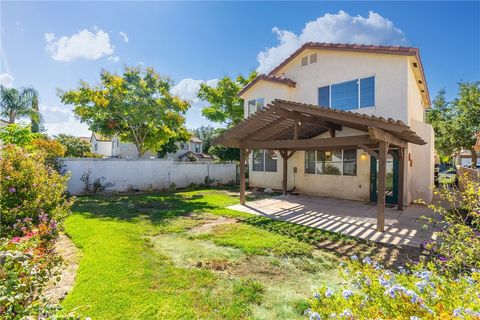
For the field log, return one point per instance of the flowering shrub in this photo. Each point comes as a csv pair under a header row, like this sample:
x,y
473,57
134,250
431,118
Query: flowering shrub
x,y
30,192
459,249
51,149
372,292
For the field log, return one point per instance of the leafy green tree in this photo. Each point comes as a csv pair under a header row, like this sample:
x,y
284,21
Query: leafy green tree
x,y
456,123
17,134
20,103
137,106
75,147
172,145
440,116
225,107
467,121
206,134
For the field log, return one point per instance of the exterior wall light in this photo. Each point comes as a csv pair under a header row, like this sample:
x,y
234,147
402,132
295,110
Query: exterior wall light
x,y
363,156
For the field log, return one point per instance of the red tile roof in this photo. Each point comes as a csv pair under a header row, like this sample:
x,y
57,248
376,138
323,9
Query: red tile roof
x,y
271,78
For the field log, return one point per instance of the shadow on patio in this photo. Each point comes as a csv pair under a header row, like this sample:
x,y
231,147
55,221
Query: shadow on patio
x,y
353,218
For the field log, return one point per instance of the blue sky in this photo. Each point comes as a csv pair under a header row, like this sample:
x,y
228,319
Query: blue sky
x,y
52,45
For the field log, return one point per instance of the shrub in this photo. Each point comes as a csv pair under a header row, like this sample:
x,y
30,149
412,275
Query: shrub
x,y
51,150
458,250
75,147
371,292
17,134
29,191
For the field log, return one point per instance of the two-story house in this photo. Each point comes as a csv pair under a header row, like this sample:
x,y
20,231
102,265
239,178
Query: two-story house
x,y
368,101
113,147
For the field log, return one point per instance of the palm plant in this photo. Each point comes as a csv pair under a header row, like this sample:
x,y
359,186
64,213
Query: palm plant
x,y
20,103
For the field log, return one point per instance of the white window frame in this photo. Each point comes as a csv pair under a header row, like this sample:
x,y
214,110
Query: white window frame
x,y
359,89
324,174
264,162
255,102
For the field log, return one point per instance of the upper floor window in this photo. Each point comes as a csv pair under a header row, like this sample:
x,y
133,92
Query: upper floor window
x,y
359,93
264,160
255,105
198,148
335,162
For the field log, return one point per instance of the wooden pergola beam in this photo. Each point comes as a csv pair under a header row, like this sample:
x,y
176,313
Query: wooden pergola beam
x,y
318,121
381,135
309,143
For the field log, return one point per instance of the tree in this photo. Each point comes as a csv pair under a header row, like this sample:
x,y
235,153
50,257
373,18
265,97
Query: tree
x,y
136,106
75,147
467,121
17,134
206,134
440,116
172,145
19,103
225,107
456,123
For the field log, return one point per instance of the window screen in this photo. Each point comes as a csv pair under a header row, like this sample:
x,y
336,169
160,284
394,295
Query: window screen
x,y
345,95
349,162
258,160
324,96
367,92
309,161
270,161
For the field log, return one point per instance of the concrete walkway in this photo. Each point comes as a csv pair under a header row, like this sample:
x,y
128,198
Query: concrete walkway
x,y
353,218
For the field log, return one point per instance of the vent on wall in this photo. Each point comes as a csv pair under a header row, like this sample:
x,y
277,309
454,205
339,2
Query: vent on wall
x,y
415,65
313,58
304,61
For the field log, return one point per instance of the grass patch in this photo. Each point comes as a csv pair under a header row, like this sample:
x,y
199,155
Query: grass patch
x,y
256,241
140,260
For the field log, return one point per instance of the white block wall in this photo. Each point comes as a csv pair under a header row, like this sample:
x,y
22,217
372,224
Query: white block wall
x,y
143,174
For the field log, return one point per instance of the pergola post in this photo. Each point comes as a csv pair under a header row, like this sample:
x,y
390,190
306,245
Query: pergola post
x,y
283,153
243,154
401,177
382,179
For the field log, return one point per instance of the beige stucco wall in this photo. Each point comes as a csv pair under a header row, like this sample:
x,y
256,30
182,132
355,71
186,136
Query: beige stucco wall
x,y
397,96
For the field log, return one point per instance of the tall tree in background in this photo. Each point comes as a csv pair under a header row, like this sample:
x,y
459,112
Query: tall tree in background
x,y
75,147
225,107
206,134
467,120
456,123
16,104
136,106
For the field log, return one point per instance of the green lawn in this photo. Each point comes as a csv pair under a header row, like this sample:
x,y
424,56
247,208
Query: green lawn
x,y
183,256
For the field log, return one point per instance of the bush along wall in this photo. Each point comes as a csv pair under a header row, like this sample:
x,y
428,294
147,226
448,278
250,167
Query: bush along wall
x,y
33,205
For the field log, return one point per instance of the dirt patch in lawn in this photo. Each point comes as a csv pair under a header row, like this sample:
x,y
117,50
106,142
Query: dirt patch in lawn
x,y
66,249
207,227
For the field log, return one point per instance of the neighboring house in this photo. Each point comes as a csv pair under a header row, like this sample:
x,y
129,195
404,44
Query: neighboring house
x,y
377,81
464,157
190,151
113,147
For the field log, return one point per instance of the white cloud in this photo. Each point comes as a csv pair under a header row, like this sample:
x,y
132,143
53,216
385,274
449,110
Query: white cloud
x,y
84,44
124,36
62,120
6,80
188,88
337,28
113,58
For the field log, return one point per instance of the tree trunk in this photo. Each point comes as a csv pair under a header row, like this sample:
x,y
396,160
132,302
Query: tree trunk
x,y
474,157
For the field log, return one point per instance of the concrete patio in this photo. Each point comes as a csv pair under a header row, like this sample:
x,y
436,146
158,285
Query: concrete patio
x,y
353,218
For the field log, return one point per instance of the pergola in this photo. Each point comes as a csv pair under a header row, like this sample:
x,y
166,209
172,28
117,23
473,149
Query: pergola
x,y
289,126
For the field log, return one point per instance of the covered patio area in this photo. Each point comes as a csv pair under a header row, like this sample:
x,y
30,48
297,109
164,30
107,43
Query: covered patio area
x,y
288,127
352,218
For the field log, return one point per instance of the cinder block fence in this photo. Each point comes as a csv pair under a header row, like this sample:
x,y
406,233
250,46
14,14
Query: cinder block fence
x,y
144,174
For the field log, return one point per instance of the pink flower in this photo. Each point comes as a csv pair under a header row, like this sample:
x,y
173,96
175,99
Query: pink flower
x,y
15,240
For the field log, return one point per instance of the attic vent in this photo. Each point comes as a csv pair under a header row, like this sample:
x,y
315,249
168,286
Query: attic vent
x,y
420,81
304,61
423,90
415,65
313,58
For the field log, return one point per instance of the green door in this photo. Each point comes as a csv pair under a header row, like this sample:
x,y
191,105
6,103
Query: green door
x,y
391,190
